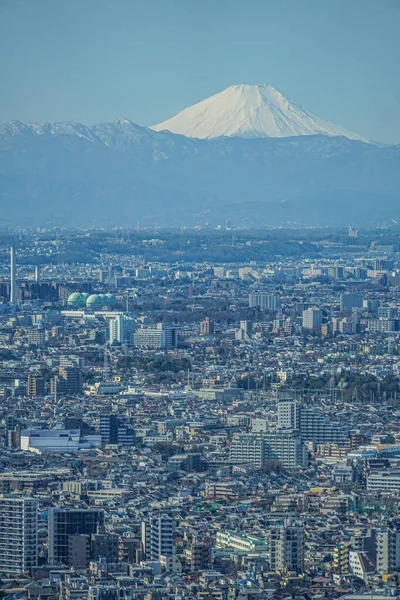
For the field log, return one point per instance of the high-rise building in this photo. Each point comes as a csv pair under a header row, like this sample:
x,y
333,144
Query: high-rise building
x,y
65,523
105,545
200,554
388,549
78,551
158,537
37,337
68,381
288,414
114,431
18,534
286,447
248,449
312,318
206,326
264,301
121,329
341,557
316,427
348,301
109,429
35,386
312,425
286,547
161,336
283,446
336,272
13,276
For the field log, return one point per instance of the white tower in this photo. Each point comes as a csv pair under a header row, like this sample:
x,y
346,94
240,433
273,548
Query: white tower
x,y
13,277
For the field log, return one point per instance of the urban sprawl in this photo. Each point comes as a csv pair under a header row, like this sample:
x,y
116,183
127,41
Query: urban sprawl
x,y
201,414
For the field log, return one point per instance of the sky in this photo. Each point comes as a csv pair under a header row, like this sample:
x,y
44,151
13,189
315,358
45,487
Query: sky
x,y
98,60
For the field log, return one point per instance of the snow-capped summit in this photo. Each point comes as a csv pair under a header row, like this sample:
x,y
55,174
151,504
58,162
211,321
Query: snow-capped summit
x,y
249,111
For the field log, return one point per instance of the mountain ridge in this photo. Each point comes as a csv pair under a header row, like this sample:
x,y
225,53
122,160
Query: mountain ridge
x,y
249,111
120,171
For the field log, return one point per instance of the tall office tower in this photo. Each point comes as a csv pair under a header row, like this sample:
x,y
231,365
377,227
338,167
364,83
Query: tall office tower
x,y
158,537
288,414
349,301
206,326
286,547
37,274
66,523
13,276
113,430
388,549
18,534
312,318
35,386
68,381
109,429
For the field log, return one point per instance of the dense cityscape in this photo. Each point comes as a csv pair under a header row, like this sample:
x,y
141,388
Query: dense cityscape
x,y
199,413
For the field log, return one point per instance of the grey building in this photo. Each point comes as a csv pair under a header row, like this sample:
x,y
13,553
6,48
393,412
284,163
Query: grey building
x,y
18,534
65,523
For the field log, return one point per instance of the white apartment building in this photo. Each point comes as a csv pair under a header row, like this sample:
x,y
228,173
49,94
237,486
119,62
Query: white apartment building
x,y
388,481
158,537
312,318
18,534
160,336
283,446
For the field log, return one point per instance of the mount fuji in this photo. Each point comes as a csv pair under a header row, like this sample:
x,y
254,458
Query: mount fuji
x,y
249,111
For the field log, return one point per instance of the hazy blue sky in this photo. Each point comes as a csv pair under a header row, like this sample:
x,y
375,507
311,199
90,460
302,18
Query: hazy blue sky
x,y
97,60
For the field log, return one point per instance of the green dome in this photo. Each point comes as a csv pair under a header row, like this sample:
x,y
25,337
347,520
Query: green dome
x,y
94,301
85,295
111,298
76,299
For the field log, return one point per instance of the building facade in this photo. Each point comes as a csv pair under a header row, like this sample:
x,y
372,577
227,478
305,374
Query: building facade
x,y
18,534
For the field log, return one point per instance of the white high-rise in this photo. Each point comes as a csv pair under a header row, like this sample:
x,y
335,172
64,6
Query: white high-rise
x,y
121,329
158,537
312,318
13,276
18,534
288,414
